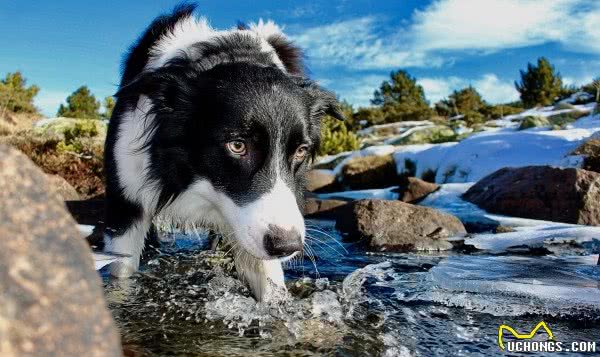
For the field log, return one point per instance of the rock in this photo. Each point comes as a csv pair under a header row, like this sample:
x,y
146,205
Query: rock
x,y
503,229
426,135
533,122
315,207
51,300
62,188
414,190
399,226
370,172
591,151
540,192
320,180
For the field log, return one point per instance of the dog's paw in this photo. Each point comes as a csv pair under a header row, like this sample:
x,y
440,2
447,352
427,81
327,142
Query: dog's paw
x,y
122,269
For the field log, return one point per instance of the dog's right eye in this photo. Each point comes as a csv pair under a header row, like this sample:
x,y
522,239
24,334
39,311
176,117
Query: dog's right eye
x,y
236,147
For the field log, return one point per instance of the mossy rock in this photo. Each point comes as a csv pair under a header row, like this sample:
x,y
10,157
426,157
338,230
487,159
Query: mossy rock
x,y
563,119
563,106
534,122
431,135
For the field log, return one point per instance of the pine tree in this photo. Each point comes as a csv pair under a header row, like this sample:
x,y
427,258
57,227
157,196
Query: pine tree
x,y
465,100
80,104
401,98
539,85
15,96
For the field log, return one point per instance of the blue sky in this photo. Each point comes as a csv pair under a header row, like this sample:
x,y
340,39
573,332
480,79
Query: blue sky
x,y
351,46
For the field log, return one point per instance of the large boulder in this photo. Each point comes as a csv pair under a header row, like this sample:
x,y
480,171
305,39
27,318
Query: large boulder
x,y
369,172
63,188
320,180
540,192
414,190
398,226
51,299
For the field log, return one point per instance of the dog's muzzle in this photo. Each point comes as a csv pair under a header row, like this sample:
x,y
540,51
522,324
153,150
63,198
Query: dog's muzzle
x,y
279,242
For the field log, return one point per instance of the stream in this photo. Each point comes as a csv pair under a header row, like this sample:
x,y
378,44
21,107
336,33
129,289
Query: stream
x,y
187,301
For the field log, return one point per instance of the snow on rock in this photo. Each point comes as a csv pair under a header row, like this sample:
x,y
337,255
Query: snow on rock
x,y
488,151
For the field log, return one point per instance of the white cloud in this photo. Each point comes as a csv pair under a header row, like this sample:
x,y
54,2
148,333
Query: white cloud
x,y
490,24
49,100
357,44
494,90
454,25
491,88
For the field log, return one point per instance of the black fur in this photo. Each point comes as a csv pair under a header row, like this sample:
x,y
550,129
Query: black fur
x,y
222,90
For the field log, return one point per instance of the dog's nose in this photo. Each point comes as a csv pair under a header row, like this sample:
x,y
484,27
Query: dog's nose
x,y
281,242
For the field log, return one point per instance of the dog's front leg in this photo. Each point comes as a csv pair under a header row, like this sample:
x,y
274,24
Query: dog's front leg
x,y
130,242
264,277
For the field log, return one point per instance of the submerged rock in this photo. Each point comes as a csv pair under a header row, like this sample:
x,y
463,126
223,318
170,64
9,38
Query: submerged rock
x,y
540,192
370,172
51,301
399,226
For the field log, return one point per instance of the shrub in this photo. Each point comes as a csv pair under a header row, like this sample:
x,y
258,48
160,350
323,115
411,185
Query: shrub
x,y
5,129
15,96
500,110
83,170
109,106
370,116
473,118
336,137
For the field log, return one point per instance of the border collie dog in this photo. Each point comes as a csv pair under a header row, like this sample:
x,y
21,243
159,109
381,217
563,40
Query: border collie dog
x,y
217,129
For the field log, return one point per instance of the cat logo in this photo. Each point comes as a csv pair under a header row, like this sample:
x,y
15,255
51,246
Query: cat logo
x,y
522,336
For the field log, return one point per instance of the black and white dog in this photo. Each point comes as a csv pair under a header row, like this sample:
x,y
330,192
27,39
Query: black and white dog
x,y
214,128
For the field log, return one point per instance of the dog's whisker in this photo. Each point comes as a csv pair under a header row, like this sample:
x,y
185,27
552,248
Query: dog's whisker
x,y
329,236
325,245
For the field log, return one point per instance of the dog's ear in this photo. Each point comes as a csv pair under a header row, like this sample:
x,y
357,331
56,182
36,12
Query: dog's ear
x,y
323,101
160,85
142,84
290,55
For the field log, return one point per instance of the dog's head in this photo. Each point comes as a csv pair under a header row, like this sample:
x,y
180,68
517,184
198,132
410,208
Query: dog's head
x,y
235,141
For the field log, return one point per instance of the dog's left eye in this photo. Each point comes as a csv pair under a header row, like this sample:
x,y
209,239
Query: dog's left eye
x,y
237,147
301,152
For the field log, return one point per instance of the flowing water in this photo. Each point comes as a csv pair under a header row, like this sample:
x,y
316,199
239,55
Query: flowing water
x,y
188,302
